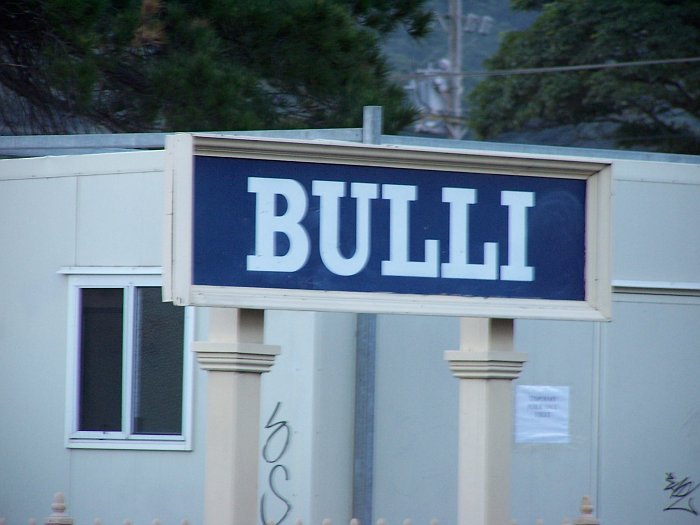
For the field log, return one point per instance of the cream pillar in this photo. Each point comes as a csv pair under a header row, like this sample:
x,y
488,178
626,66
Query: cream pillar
x,y
234,357
485,365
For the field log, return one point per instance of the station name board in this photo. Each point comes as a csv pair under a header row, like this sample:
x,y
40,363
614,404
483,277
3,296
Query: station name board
x,y
319,226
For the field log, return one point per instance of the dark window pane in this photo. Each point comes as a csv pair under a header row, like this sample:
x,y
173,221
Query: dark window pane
x,y
158,364
101,333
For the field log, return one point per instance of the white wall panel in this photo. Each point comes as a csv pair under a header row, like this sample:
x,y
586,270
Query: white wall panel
x,y
120,220
36,237
650,422
55,213
656,217
549,479
415,470
136,485
311,386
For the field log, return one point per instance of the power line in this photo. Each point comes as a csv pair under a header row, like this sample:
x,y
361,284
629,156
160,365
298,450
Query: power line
x,y
552,69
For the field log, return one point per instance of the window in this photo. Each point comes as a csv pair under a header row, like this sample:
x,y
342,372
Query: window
x,y
129,366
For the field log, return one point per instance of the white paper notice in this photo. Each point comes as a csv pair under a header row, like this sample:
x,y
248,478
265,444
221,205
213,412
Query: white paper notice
x,y
541,414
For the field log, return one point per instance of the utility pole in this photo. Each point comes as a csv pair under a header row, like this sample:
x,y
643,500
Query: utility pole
x,y
439,91
455,129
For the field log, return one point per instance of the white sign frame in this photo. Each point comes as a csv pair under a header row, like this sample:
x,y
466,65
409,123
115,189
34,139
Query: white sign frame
x,y
177,256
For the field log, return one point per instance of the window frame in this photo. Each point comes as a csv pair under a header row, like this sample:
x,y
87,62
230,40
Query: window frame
x,y
127,279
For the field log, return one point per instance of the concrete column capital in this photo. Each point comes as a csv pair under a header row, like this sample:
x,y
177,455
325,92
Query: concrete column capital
x,y
485,365
235,356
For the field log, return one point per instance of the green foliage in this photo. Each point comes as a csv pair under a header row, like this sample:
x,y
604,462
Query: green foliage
x,y
653,107
529,4
142,65
385,15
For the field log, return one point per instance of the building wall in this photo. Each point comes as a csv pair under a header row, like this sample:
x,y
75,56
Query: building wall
x,y
306,463
634,397
415,469
34,235
634,414
649,364
92,210
107,211
655,222
650,409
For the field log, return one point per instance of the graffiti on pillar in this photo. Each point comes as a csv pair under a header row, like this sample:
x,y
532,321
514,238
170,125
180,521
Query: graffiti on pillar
x,y
680,493
274,507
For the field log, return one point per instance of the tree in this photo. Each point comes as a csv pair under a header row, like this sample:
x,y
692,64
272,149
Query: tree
x,y
151,65
653,105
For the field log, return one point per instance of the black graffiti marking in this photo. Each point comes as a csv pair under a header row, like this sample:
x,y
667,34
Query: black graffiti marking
x,y
680,492
275,437
273,488
278,426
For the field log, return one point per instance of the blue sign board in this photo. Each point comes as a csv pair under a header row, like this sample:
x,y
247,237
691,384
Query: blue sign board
x,y
314,226
306,226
